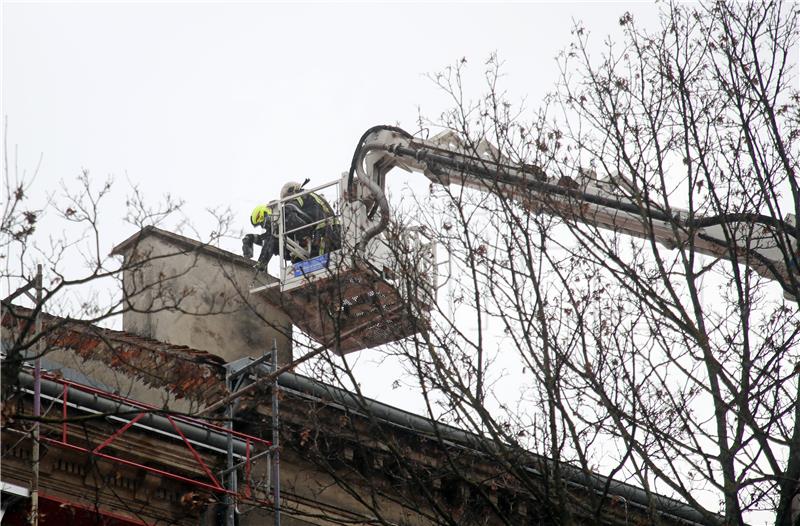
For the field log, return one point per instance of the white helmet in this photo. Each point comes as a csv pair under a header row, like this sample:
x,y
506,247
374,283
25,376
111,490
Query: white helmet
x,y
290,188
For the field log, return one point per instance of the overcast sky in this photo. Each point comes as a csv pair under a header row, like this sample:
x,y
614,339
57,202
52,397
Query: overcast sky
x,y
220,104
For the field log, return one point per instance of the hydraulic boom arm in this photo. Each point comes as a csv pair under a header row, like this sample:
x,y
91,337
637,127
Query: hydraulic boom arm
x,y
767,244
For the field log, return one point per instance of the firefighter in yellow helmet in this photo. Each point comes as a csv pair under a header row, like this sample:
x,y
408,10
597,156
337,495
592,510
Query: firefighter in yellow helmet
x,y
261,217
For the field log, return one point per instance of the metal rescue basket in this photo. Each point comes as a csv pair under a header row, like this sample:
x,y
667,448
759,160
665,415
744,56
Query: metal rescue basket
x,y
377,287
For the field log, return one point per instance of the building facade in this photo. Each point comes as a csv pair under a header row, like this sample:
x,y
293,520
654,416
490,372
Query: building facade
x,y
127,437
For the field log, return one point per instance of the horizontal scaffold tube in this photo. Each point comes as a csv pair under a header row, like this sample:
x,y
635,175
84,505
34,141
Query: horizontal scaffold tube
x,y
197,434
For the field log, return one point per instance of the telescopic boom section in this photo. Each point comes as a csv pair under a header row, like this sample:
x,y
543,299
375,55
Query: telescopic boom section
x,y
767,244
379,285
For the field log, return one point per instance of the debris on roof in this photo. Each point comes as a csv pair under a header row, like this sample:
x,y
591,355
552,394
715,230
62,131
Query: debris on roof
x,y
181,370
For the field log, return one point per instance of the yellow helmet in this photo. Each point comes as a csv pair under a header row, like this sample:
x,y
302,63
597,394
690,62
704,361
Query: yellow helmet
x,y
259,213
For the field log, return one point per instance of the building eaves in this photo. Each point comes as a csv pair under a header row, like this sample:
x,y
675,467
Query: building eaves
x,y
196,374
411,422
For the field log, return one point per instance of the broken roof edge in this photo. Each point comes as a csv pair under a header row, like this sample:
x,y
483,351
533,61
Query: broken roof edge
x,y
185,242
91,342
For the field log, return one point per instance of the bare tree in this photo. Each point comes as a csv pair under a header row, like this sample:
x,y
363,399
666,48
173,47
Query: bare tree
x,y
83,288
635,356
699,115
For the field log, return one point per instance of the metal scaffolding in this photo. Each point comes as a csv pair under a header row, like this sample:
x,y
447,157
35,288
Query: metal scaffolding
x,y
241,449
238,373
130,414
69,398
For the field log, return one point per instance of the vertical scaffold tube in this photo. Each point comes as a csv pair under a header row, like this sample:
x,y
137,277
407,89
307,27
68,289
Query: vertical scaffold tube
x,y
37,400
276,449
230,501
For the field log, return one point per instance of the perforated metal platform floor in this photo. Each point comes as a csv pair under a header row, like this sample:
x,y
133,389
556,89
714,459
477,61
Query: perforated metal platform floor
x,y
355,309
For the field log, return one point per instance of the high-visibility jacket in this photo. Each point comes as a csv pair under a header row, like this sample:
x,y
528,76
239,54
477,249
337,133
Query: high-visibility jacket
x,y
312,209
307,209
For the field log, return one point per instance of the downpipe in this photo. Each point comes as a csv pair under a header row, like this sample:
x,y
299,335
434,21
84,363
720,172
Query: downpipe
x,y
117,410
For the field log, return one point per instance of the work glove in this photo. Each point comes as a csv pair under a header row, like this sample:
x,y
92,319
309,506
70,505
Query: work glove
x,y
263,259
247,245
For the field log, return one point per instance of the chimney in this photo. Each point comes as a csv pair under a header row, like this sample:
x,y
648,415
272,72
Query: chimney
x,y
181,291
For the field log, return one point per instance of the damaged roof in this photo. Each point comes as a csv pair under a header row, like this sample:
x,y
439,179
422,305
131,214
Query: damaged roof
x,y
199,375
184,372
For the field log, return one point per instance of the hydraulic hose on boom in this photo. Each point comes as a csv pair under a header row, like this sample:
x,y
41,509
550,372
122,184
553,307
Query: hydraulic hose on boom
x,y
767,244
379,287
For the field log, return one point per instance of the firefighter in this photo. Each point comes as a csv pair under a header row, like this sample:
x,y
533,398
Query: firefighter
x,y
261,217
319,237
322,234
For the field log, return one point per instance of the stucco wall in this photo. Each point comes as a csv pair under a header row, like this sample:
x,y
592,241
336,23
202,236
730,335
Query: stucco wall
x,y
199,298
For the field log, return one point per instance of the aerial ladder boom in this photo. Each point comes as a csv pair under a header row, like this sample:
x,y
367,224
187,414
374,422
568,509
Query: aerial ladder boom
x,y
767,244
380,286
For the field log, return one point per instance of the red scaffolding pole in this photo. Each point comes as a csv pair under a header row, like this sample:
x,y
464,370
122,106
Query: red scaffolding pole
x,y
210,484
